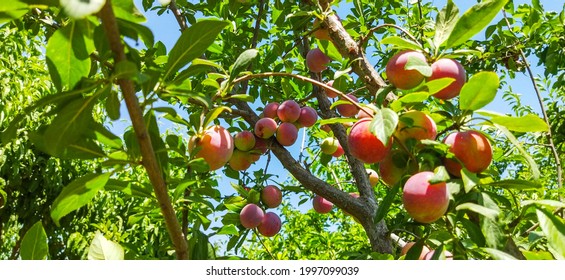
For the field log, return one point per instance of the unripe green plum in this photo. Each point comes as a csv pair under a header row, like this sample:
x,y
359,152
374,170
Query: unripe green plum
x,y
398,75
215,145
244,140
425,202
329,145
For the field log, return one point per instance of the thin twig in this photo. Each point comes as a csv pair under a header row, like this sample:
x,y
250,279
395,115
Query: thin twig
x,y
150,163
542,106
305,79
178,15
263,244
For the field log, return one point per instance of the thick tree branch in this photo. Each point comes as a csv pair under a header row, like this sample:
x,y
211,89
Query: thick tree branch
x,y
148,154
349,49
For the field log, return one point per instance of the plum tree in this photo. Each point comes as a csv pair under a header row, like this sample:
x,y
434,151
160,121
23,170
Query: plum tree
x,y
288,111
364,145
251,216
471,148
286,134
425,202
265,128
415,125
271,196
244,140
397,73
215,145
317,61
448,68
321,205
270,225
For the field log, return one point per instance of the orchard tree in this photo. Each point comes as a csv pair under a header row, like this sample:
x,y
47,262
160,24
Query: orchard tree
x,y
394,91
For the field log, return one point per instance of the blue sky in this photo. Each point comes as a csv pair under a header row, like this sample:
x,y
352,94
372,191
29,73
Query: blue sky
x,y
165,29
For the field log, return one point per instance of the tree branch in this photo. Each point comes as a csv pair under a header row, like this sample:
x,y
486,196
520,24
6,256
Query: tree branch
x,y
542,107
148,154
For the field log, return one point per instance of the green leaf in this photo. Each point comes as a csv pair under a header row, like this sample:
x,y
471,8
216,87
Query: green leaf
x,y
479,91
10,10
113,105
473,21
34,244
533,166
415,97
440,175
435,86
242,61
199,247
125,70
10,133
68,53
474,232
70,124
384,206
192,43
537,255
527,123
445,22
498,255
550,203
337,120
517,184
156,141
230,229
401,43
132,188
554,229
235,203
415,251
470,179
384,125
104,249
136,31
487,212
77,194
414,63
126,10
213,114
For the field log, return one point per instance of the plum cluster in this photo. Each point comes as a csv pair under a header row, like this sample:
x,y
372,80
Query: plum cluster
x,y
291,118
253,216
